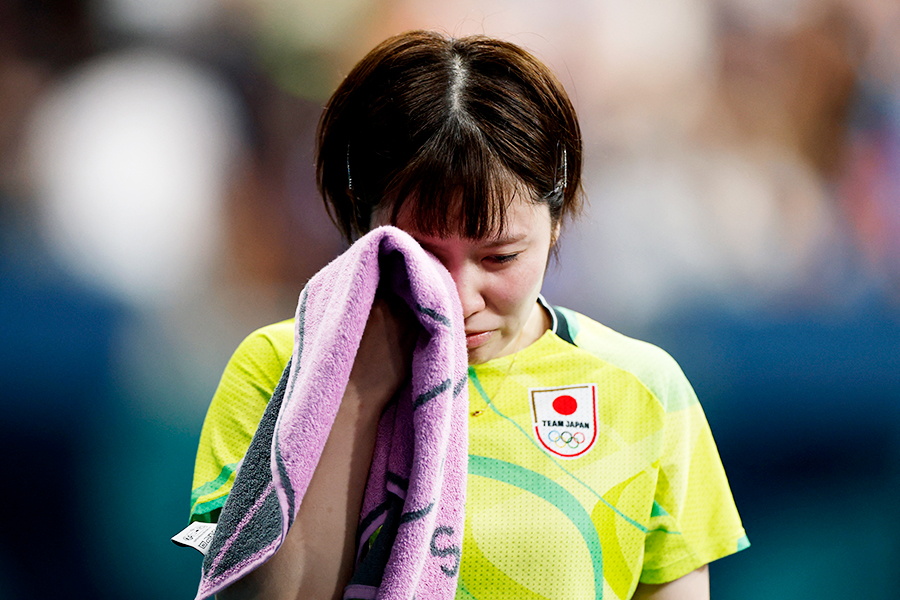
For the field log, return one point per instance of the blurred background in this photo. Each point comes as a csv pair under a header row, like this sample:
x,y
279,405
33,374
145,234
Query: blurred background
x,y
157,203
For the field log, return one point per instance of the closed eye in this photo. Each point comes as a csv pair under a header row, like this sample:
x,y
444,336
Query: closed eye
x,y
501,259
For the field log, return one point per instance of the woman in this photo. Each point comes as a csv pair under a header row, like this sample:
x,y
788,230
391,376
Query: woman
x,y
592,471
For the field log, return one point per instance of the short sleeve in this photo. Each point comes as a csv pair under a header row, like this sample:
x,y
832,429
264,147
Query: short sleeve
x,y
694,519
247,383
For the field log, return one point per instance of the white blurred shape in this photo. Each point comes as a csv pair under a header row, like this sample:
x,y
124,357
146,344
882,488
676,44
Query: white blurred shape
x,y
130,159
704,227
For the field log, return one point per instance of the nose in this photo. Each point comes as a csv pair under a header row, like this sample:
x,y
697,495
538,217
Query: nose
x,y
469,285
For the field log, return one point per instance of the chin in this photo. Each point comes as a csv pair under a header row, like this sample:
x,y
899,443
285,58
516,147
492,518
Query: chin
x,y
483,354
479,355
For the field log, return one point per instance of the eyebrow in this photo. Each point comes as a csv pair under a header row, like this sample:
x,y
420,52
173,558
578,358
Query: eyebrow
x,y
495,243
506,240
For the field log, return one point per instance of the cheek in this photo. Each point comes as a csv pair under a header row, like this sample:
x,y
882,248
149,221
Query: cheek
x,y
516,289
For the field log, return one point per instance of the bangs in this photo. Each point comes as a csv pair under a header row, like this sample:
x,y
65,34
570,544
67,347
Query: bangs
x,y
447,133
455,185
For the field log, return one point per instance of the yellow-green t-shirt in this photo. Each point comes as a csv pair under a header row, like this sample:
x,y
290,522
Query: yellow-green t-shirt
x,y
591,464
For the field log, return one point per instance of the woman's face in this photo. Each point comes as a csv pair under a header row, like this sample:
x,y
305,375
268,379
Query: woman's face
x,y
498,279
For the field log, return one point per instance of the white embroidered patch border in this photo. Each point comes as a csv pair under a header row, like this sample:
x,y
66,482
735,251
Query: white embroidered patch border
x,y
564,418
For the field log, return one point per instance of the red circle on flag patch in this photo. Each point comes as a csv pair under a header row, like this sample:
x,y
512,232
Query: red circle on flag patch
x,y
565,405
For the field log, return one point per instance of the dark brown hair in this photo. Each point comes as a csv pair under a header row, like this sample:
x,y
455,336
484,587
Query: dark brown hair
x,y
449,130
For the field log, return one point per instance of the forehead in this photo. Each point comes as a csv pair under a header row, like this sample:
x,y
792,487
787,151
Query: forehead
x,y
470,199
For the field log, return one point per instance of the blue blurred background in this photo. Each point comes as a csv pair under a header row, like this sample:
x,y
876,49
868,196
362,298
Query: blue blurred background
x,y
157,204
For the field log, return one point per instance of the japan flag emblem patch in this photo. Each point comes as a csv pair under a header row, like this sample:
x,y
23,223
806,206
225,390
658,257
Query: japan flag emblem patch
x,y
565,418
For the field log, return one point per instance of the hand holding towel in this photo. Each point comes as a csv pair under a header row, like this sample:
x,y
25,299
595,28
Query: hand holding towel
x,y
415,494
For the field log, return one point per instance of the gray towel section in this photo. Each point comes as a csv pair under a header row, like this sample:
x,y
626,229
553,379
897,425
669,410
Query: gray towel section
x,y
265,526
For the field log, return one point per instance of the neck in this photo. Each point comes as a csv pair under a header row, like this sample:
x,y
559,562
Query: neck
x,y
539,321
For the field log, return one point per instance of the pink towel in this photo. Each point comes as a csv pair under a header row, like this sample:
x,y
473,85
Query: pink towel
x,y
415,495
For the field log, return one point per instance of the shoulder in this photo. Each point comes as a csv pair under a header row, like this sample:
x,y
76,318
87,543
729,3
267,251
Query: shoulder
x,y
277,338
261,356
237,406
273,342
651,365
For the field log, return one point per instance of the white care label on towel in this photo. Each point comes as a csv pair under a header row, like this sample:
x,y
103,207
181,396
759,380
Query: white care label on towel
x,y
196,535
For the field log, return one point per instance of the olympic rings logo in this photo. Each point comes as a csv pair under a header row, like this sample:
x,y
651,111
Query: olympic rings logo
x,y
566,438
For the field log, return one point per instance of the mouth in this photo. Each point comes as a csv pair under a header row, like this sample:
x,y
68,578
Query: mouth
x,y
477,338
